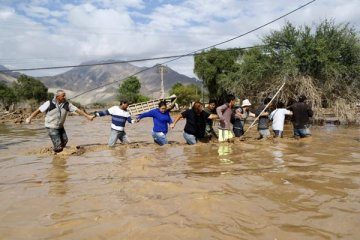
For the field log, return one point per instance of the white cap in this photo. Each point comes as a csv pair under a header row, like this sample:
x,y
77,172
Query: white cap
x,y
246,103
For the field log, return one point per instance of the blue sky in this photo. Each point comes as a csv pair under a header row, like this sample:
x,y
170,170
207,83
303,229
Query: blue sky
x,y
43,33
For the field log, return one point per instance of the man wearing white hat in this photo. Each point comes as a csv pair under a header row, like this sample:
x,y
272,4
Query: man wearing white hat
x,y
240,116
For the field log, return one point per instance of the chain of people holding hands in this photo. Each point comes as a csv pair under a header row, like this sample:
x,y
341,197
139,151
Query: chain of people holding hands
x,y
199,120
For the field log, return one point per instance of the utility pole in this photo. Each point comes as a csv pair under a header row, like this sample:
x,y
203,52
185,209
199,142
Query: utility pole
x,y
162,69
196,87
202,90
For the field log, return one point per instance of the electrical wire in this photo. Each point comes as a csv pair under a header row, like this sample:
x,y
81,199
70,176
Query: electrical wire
x,y
120,62
174,58
203,49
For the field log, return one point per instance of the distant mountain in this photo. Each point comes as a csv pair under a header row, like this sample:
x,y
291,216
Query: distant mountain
x,y
81,79
7,76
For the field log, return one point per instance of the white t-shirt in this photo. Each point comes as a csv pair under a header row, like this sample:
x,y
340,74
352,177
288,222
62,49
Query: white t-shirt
x,y
278,117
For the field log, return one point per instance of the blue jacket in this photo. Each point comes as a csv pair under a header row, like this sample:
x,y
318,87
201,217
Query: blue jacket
x,y
161,120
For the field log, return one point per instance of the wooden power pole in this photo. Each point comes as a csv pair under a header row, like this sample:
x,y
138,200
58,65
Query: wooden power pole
x,y
162,69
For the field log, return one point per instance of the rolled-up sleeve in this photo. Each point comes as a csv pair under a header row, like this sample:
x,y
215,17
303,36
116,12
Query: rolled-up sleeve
x,y
72,108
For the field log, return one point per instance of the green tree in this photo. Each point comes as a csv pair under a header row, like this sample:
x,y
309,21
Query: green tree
x,y
7,96
322,62
130,90
185,93
30,88
215,68
143,98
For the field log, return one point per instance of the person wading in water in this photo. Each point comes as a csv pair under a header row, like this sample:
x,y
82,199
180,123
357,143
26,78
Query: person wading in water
x,y
56,111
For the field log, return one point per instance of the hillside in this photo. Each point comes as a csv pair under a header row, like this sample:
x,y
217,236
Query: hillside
x,y
81,79
8,77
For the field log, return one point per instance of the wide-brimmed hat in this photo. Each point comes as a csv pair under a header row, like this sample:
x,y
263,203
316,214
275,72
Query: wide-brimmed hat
x,y
246,103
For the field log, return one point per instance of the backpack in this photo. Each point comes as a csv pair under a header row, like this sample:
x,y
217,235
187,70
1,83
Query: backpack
x,y
232,119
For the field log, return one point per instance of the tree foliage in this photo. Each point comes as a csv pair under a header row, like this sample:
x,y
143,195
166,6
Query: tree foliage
x,y
322,62
7,95
215,68
185,93
30,88
25,88
130,90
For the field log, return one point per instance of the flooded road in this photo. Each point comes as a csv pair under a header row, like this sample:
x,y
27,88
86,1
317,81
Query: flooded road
x,y
288,189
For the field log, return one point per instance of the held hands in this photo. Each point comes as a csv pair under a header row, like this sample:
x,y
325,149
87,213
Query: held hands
x,y
91,117
172,125
28,120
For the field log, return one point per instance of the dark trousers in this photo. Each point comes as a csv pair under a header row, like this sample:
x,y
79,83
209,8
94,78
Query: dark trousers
x,y
238,128
58,138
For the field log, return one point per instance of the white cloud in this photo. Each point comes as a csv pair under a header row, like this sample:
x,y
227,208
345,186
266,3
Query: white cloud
x,y
6,13
53,33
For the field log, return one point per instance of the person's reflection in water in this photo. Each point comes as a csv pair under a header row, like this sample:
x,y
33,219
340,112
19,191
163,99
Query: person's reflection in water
x,y
58,177
224,151
202,160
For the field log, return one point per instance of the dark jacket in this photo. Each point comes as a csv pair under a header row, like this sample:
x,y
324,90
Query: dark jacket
x,y
301,114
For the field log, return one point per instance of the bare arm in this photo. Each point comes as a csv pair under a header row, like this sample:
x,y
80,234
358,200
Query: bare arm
x,y
81,112
36,112
213,116
264,114
252,114
175,121
239,114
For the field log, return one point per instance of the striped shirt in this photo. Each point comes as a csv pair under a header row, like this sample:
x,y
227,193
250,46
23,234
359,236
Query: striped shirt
x,y
119,117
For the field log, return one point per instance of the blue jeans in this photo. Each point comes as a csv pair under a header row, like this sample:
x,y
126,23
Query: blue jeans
x,y
190,139
264,133
238,128
58,138
115,135
238,132
159,138
278,133
302,132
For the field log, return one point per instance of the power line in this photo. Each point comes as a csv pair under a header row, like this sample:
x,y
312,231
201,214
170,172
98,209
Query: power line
x,y
119,62
132,75
176,57
212,46
166,57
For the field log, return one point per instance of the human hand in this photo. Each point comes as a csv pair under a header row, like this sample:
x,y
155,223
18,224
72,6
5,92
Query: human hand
x,y
28,120
172,125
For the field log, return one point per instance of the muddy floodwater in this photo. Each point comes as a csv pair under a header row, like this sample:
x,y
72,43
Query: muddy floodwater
x,y
287,189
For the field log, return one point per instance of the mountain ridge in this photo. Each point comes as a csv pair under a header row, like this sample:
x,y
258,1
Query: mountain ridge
x,y
102,80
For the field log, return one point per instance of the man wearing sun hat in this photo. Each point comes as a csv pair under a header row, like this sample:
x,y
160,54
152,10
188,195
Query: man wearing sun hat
x,y
240,116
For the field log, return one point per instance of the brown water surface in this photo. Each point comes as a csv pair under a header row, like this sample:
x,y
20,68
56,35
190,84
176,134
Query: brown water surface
x,y
287,189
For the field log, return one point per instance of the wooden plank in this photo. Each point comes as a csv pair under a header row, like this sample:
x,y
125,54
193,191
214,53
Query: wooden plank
x,y
139,108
